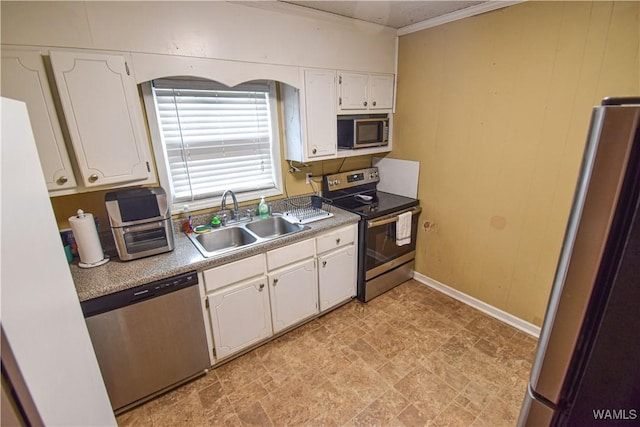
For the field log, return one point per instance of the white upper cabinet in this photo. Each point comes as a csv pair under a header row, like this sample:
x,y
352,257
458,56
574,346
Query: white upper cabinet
x,y
24,78
310,117
103,113
354,91
364,92
381,91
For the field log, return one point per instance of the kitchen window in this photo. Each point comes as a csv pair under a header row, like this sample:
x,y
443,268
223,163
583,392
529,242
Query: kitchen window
x,y
211,138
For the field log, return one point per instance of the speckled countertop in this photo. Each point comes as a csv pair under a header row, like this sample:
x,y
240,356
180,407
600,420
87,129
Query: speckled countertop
x,y
119,275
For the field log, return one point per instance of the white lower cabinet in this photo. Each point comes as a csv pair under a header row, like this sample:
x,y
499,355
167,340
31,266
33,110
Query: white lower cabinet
x,y
294,294
240,316
250,300
337,276
337,260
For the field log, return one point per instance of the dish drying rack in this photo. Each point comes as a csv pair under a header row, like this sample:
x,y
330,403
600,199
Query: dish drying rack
x,y
305,209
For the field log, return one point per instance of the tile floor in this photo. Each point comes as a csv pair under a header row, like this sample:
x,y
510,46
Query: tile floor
x,y
411,357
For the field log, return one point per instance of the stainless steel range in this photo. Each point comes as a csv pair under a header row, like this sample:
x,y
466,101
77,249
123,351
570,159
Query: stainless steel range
x,y
384,259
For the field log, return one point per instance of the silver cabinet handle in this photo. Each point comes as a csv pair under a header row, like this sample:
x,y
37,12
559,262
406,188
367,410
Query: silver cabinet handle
x,y
62,180
261,287
93,178
364,103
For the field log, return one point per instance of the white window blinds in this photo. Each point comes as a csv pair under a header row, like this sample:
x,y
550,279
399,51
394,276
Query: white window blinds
x,y
215,138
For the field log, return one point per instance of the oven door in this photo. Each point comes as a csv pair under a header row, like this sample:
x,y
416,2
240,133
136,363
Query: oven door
x,y
382,252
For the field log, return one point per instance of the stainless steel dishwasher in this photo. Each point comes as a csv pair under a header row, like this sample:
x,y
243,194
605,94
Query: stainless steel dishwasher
x,y
148,338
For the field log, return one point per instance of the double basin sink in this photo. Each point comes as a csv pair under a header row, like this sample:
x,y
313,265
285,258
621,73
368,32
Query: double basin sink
x,y
242,235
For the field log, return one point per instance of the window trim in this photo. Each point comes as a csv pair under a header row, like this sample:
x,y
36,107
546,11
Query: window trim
x,y
212,202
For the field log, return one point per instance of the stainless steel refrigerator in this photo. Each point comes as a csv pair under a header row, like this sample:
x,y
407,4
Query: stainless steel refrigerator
x,y
587,365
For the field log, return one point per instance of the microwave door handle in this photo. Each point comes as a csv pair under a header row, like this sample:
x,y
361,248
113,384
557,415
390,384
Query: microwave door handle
x,y
391,218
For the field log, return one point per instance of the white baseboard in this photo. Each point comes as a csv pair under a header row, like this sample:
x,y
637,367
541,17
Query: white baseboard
x,y
492,311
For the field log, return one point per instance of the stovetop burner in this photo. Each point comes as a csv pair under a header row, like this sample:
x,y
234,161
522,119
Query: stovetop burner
x,y
345,190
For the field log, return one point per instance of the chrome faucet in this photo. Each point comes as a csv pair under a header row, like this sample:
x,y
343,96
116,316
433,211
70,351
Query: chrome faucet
x,y
223,204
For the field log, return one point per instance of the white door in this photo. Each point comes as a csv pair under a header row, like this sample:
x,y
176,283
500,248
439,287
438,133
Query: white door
x,y
103,112
337,277
381,92
294,294
354,91
239,316
24,78
320,115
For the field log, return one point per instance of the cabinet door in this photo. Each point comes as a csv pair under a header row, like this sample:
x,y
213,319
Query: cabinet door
x,y
239,316
294,294
380,92
354,91
103,113
320,113
24,78
337,277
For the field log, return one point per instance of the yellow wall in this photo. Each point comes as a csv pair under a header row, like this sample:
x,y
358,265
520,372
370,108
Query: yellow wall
x,y
496,109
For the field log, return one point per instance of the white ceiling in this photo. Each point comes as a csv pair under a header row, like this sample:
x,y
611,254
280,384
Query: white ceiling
x,y
395,14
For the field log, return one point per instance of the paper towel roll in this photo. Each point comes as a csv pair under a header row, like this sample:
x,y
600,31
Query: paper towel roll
x,y
86,235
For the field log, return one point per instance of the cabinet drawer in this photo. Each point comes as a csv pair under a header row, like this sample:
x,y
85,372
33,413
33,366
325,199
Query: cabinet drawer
x,y
290,253
228,274
335,239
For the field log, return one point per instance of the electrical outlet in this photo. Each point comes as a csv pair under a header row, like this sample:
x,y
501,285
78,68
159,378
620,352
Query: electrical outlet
x,y
308,175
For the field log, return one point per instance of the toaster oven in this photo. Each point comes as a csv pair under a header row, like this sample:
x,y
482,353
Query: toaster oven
x,y
140,222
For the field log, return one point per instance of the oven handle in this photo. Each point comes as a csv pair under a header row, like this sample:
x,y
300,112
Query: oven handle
x,y
392,217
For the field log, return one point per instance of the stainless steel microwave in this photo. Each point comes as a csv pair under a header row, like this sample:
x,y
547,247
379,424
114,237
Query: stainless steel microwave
x,y
361,131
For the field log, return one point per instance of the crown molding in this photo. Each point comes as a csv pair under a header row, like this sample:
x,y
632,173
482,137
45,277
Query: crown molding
x,y
307,12
457,15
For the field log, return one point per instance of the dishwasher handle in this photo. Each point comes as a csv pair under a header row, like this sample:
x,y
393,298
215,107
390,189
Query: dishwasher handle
x,y
137,294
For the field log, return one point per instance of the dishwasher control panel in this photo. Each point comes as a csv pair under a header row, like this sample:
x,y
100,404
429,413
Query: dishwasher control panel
x,y
137,294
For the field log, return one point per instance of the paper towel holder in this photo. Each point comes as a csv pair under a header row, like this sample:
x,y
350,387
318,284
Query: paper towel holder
x,y
105,258
93,264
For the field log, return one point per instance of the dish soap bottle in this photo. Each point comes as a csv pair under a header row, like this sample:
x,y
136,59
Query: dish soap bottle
x,y
263,209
